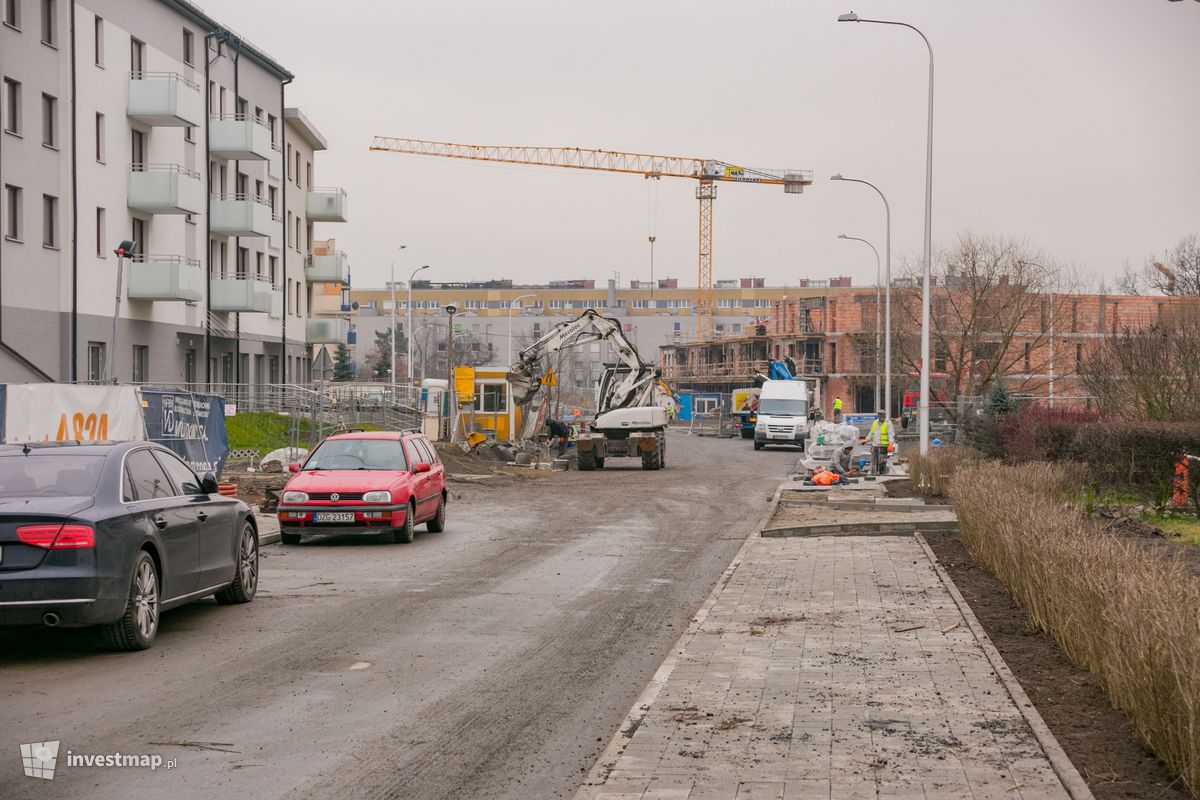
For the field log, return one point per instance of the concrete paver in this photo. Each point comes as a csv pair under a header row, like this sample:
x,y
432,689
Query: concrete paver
x,y
831,667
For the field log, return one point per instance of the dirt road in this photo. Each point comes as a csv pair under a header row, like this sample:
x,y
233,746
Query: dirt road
x,y
493,660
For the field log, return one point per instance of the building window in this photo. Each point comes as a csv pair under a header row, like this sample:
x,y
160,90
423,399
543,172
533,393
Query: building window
x,y
49,121
100,137
832,357
271,190
189,134
492,399
50,22
12,213
137,56
288,164
243,259
1028,358
137,227
290,241
98,41
141,363
12,13
273,262
299,241
49,221
271,125
101,234
258,265
188,44
95,361
12,106
137,148
297,168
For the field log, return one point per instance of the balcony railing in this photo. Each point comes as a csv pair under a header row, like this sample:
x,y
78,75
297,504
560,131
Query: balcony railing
x,y
241,215
275,162
165,189
240,137
733,371
326,268
327,330
244,294
166,278
164,99
326,205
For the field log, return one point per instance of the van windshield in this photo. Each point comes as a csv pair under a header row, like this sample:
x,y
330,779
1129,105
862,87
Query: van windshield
x,y
782,407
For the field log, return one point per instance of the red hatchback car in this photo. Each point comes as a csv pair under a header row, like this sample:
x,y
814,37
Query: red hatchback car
x,y
381,483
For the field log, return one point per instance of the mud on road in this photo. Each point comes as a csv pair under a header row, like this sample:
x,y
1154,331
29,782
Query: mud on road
x,y
493,660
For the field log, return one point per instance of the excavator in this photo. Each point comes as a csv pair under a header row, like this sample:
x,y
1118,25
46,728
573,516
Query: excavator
x,y
627,425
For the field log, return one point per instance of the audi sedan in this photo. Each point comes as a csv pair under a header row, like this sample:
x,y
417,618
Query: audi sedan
x,y
114,534
379,482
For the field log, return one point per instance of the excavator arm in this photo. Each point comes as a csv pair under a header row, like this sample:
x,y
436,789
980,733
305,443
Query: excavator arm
x,y
631,384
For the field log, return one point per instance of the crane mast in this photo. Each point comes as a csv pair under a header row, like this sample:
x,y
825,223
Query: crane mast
x,y
707,171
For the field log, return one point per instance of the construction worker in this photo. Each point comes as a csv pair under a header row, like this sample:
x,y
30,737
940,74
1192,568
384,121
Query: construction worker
x,y
842,460
559,430
881,437
837,410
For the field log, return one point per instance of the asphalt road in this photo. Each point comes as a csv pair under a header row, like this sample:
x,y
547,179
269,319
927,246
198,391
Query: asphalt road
x,y
493,660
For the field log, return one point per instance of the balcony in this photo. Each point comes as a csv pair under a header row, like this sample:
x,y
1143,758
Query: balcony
x,y
244,295
165,189
326,205
166,278
327,330
275,163
164,99
331,267
276,242
239,137
241,215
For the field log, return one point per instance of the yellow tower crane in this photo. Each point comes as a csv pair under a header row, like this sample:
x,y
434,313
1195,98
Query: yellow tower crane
x,y
707,171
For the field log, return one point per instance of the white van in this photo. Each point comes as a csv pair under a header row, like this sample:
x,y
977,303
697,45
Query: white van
x,y
782,414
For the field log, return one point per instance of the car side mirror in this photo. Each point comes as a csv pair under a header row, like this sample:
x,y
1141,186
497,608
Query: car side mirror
x,y
294,466
422,466
208,484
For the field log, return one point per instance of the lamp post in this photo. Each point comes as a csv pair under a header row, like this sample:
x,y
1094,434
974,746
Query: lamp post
x,y
451,310
408,329
126,248
925,321
392,284
887,292
877,311
512,412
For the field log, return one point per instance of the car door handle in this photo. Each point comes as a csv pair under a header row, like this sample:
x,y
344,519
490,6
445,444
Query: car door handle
x,y
160,521
200,515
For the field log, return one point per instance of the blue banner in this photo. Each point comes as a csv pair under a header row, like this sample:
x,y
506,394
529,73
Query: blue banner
x,y
192,425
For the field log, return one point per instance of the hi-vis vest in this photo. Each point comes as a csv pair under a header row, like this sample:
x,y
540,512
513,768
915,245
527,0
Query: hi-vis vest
x,y
837,404
882,431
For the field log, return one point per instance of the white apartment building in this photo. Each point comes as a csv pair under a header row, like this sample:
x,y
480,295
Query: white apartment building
x,y
148,120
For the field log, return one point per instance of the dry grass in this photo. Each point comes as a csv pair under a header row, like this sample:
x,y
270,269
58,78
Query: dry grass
x,y
930,474
1117,607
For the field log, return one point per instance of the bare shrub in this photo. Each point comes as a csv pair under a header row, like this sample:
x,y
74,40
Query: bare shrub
x,y
929,474
1127,612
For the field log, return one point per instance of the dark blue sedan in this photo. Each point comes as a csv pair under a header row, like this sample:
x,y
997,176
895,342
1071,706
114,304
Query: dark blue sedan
x,y
114,534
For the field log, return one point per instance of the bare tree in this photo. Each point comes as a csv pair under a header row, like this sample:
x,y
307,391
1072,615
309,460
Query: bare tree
x,y
1176,273
1151,373
992,310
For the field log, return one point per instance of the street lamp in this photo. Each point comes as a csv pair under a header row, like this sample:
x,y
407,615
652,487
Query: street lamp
x,y
924,408
392,284
451,310
512,412
877,311
124,250
887,292
408,330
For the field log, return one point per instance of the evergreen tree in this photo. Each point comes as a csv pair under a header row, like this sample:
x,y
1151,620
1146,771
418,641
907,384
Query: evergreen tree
x,y
999,400
343,367
379,362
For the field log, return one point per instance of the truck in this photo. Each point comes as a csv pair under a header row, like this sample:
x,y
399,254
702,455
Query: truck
x,y
628,423
783,407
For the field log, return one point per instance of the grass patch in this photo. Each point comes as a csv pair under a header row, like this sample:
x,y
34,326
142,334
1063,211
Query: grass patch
x,y
1184,529
263,431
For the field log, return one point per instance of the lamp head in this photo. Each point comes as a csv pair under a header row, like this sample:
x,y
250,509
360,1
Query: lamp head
x,y
837,177
851,17
843,236
126,248
451,309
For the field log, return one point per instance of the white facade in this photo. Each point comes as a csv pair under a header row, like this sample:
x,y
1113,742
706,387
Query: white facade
x,y
177,138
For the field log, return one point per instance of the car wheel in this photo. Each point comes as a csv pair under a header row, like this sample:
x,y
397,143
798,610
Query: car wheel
x,y
586,459
438,523
245,571
138,626
402,535
289,538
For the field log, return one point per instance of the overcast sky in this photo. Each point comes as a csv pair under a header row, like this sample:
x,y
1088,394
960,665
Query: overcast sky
x,y
1071,123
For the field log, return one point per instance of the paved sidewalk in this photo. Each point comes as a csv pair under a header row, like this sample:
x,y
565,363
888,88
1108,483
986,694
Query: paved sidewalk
x,y
828,667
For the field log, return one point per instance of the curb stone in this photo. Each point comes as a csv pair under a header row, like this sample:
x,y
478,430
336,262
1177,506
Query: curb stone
x,y
1072,781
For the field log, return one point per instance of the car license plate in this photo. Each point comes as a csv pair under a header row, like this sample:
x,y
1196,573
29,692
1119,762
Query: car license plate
x,y
333,516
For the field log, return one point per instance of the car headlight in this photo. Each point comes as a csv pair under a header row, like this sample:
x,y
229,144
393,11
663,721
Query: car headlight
x,y
377,497
295,497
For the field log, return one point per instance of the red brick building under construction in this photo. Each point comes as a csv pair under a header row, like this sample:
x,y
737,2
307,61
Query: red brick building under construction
x,y
1036,343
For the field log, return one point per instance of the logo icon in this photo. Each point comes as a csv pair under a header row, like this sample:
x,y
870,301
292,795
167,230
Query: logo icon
x,y
335,497
39,758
